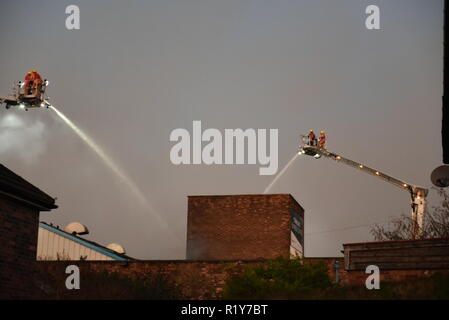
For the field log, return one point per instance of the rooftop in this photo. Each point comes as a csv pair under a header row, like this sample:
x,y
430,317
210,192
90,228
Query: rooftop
x,y
87,243
14,186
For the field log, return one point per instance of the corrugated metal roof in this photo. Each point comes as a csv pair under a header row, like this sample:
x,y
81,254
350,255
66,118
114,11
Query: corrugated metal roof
x,y
89,244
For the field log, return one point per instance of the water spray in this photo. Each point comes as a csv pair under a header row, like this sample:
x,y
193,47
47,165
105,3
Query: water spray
x,y
281,173
113,166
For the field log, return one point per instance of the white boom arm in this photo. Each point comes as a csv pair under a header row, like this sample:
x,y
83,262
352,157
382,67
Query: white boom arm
x,y
418,194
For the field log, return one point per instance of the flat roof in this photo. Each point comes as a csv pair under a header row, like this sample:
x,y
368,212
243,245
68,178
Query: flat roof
x,y
247,195
396,241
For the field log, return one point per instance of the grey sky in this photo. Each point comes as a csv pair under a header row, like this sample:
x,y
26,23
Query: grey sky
x,y
138,69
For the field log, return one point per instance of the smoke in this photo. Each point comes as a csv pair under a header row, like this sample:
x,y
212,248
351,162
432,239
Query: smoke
x,y
21,138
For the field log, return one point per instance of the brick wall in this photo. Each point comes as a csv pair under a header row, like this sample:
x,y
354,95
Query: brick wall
x,y
239,226
329,261
195,279
358,277
203,279
18,239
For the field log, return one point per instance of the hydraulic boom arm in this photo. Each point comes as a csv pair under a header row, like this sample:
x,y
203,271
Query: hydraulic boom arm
x,y
418,194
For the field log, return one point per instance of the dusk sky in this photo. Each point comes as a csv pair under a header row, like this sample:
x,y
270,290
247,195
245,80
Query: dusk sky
x,y
136,70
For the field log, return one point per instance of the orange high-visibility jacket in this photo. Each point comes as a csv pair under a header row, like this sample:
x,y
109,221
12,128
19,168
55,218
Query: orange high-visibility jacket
x,y
28,78
36,77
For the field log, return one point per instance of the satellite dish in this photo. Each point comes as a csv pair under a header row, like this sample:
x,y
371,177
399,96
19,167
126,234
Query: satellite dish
x,y
440,176
116,247
76,228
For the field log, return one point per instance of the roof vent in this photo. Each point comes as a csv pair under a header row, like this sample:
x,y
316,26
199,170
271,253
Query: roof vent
x,y
116,247
76,228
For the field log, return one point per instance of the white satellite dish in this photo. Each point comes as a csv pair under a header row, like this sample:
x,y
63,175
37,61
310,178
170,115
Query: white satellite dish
x,y
116,247
76,228
440,176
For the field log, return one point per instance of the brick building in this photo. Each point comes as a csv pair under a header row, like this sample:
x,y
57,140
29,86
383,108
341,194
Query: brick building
x,y
244,227
20,204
